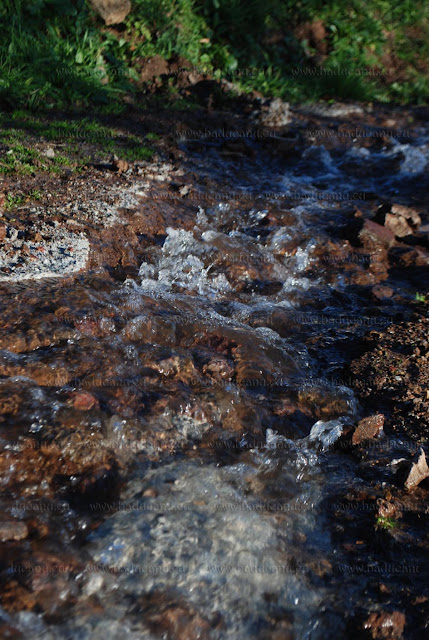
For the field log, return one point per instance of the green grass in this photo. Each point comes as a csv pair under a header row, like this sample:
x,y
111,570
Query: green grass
x,y
25,136
11,201
385,523
58,53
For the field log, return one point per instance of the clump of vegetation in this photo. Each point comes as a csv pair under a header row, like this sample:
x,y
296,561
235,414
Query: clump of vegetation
x,y
56,53
12,201
385,523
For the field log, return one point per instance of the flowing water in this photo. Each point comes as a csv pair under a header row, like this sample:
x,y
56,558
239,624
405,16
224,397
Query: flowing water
x,y
218,372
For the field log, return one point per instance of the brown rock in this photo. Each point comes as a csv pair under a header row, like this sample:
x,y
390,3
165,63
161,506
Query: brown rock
x,y
10,405
416,256
120,165
150,493
219,368
2,232
368,428
180,367
398,225
6,631
11,529
112,11
381,292
411,215
84,401
386,626
174,619
418,472
402,221
375,233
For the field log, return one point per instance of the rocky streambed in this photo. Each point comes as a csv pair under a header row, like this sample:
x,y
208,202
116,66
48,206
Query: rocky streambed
x,y
214,399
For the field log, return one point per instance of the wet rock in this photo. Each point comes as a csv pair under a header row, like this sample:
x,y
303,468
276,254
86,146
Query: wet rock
x,y
177,620
158,329
51,468
43,374
180,367
406,256
84,401
112,11
381,292
402,221
398,225
11,529
419,471
326,432
372,232
325,404
239,275
46,575
386,626
15,597
125,401
219,368
9,633
368,428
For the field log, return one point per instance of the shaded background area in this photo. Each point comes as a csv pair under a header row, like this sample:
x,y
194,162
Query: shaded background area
x,y
60,53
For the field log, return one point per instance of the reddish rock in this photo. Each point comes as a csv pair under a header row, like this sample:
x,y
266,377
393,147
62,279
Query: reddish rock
x,y
368,428
381,292
375,233
385,625
2,232
84,401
